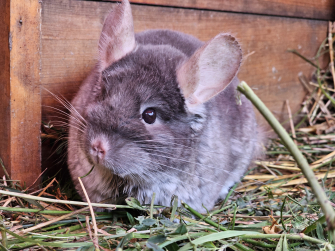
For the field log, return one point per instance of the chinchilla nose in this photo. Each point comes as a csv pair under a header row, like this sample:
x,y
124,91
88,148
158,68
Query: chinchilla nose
x,y
98,150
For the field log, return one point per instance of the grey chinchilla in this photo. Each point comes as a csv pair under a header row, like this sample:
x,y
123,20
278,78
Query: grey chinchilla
x,y
159,114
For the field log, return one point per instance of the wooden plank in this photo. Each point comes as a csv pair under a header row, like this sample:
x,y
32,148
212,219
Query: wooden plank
x,y
5,84
21,101
323,10
70,30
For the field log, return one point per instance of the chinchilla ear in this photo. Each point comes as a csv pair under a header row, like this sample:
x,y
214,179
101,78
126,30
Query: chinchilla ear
x,y
210,69
117,37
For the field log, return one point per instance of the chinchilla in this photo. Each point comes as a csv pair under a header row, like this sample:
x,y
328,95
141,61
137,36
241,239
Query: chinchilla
x,y
158,114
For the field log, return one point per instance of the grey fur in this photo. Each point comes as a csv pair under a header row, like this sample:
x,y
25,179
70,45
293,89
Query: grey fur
x,y
197,156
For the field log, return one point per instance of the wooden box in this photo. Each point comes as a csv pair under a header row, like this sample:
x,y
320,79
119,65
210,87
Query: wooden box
x,y
53,44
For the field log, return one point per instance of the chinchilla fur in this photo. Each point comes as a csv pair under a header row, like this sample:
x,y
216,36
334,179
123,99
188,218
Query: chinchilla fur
x,y
158,114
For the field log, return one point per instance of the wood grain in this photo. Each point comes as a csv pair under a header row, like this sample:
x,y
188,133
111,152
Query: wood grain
x,y
5,84
70,30
20,101
322,10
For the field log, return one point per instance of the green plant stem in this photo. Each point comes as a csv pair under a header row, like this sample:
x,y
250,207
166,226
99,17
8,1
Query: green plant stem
x,y
199,215
281,214
240,246
56,228
260,244
221,209
228,195
30,210
152,205
27,196
301,122
307,151
234,218
4,169
267,245
310,147
291,146
3,235
297,237
174,208
304,58
105,217
324,92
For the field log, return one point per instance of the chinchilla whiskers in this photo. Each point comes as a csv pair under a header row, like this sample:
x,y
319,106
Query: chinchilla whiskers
x,y
164,137
76,127
167,144
63,156
181,147
68,116
183,160
67,105
205,167
115,165
190,183
66,124
77,120
184,181
202,166
157,175
159,164
60,147
74,110
73,122
62,138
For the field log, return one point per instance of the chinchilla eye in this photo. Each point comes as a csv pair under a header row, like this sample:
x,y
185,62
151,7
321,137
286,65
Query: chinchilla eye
x,y
149,115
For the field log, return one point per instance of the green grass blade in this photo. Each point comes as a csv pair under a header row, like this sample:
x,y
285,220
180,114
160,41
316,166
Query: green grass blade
x,y
280,244
48,244
285,244
215,237
181,237
174,208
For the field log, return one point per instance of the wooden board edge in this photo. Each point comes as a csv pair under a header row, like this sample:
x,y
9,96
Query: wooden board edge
x,y
270,8
25,95
5,84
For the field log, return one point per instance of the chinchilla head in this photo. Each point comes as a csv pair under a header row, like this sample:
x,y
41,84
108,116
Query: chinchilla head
x,y
139,114
147,107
